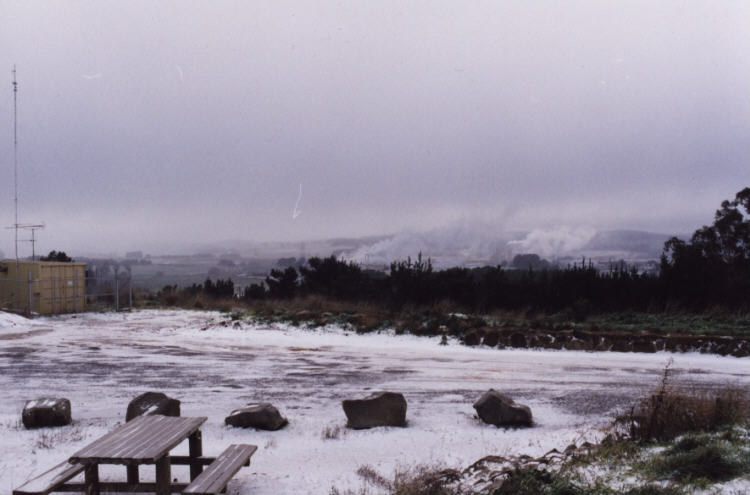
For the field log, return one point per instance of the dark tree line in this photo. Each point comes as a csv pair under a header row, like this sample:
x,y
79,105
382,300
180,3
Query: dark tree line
x,y
712,268
221,289
416,282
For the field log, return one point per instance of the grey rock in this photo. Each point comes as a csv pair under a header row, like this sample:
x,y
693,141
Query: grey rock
x,y
499,410
41,413
152,403
378,409
262,416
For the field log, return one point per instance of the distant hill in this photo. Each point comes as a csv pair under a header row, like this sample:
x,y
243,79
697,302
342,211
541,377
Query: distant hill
x,y
646,244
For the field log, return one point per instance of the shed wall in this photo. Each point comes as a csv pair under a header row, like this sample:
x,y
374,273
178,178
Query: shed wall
x,y
42,287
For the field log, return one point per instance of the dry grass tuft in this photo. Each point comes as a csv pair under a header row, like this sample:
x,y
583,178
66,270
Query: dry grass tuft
x,y
421,480
49,439
372,477
424,480
333,432
671,411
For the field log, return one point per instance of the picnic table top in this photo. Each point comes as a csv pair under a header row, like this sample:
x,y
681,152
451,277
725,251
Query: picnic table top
x,y
142,440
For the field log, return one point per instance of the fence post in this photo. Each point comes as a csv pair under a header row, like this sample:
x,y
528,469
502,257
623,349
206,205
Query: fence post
x,y
31,294
117,293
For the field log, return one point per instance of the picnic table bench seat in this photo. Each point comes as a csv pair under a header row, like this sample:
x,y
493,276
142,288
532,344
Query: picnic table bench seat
x,y
214,479
49,480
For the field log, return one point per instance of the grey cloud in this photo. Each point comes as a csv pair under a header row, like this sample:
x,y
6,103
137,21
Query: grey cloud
x,y
204,118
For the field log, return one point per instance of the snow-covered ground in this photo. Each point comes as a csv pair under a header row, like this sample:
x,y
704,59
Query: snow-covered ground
x,y
101,361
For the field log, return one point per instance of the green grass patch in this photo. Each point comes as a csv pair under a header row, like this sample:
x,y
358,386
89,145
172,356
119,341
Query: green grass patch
x,y
714,322
701,459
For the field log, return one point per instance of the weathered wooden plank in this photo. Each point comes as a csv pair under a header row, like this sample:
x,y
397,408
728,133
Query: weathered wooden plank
x,y
140,440
216,476
186,460
120,433
50,479
149,432
172,439
165,440
117,438
135,445
113,439
121,487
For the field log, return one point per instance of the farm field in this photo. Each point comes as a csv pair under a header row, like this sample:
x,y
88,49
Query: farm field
x,y
101,361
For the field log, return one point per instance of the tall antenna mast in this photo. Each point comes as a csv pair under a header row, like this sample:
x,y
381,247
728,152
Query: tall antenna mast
x,y
26,226
15,158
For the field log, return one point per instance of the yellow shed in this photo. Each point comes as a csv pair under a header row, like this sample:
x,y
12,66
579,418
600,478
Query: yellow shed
x,y
43,287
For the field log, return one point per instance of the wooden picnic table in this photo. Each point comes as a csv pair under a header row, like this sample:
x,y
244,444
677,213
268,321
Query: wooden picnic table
x,y
144,440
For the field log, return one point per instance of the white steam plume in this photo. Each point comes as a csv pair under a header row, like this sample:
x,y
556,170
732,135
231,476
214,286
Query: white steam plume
x,y
554,243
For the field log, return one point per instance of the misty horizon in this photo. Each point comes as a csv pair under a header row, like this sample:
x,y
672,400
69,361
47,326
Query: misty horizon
x,y
161,126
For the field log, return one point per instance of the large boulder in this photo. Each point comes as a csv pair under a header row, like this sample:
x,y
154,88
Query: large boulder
x,y
499,410
472,339
152,403
491,339
377,409
46,412
263,416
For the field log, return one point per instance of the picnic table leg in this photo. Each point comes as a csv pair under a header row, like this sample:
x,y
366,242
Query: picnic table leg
x,y
132,470
195,445
91,479
163,475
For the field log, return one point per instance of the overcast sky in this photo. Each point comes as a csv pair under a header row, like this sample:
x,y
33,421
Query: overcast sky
x,y
147,125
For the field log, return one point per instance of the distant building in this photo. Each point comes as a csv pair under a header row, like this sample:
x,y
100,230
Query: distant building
x,y
134,255
42,287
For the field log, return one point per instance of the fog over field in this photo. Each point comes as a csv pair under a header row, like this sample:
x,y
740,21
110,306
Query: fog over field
x,y
158,125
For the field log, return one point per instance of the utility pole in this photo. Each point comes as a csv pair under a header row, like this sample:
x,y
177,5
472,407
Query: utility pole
x,y
15,159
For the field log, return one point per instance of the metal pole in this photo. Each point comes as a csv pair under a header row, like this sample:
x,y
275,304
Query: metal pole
x,y
15,157
117,293
130,301
31,294
75,290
